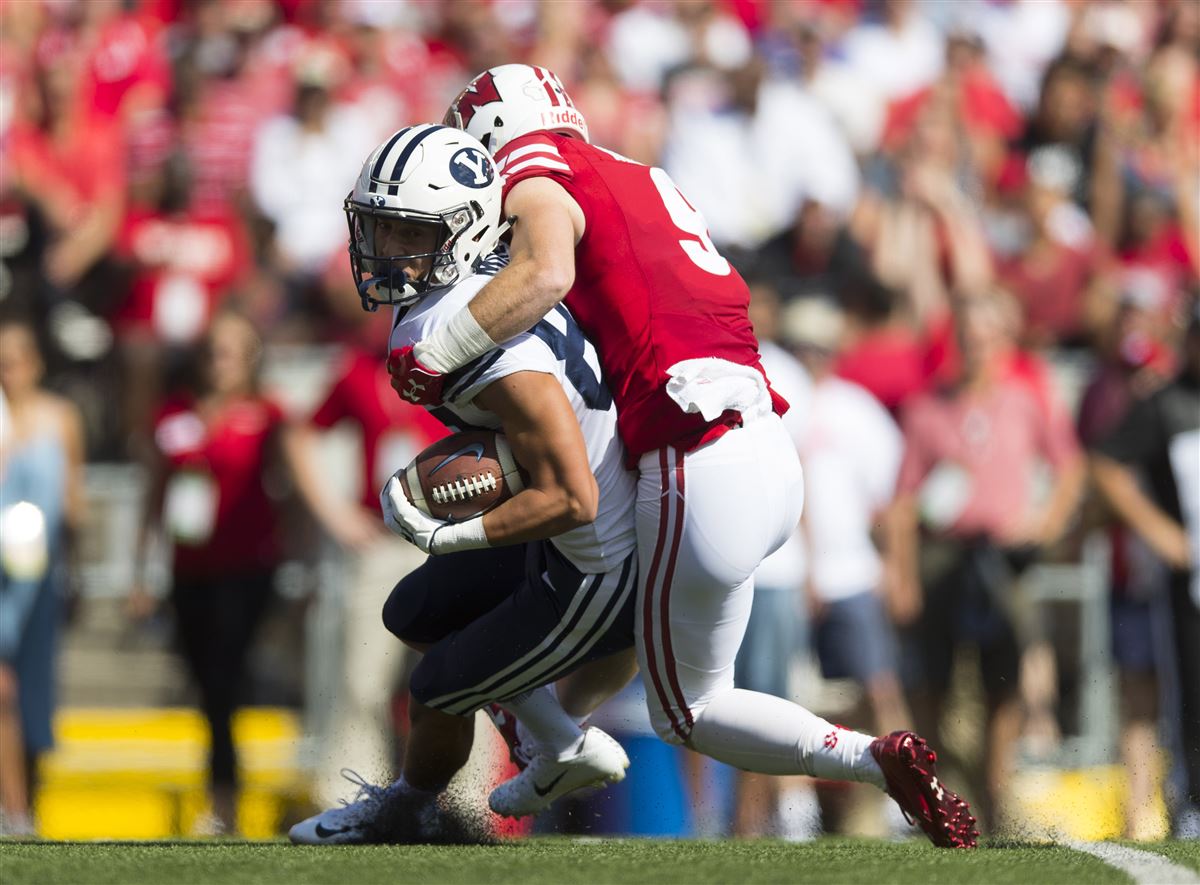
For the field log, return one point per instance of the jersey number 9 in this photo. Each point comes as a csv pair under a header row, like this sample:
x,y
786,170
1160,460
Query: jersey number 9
x,y
701,251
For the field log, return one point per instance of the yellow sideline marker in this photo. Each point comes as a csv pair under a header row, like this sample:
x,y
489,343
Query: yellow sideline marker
x,y
141,773
1085,804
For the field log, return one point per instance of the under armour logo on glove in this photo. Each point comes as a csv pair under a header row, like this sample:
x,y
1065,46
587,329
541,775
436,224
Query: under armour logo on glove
x,y
412,381
413,392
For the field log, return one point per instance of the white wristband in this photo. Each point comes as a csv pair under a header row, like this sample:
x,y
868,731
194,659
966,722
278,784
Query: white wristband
x,y
455,344
455,536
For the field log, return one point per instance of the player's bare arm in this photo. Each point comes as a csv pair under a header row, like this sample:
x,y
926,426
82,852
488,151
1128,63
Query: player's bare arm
x,y
542,268
540,272
544,436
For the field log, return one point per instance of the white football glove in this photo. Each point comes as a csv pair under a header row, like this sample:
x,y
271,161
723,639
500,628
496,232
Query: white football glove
x,y
402,516
429,535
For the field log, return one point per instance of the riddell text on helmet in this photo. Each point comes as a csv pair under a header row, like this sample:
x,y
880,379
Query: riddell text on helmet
x,y
562,116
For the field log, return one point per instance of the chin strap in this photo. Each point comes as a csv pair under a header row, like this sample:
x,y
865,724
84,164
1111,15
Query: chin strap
x,y
408,295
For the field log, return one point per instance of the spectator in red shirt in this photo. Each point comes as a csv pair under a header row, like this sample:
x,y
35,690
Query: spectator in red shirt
x,y
127,72
880,352
67,163
219,100
184,261
964,524
988,118
1053,270
917,221
207,495
1152,218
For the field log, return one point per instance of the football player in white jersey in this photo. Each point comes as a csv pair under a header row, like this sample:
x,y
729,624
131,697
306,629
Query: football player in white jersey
x,y
542,584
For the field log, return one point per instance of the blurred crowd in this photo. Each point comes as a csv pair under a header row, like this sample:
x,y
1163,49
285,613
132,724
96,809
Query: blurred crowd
x,y
970,229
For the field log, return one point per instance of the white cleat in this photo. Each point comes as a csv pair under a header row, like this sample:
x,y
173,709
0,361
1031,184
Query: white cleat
x,y
599,761
348,824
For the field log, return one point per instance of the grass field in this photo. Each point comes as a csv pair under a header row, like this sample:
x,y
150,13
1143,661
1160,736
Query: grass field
x,y
553,860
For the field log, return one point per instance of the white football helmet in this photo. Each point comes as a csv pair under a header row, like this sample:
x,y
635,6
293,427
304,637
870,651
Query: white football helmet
x,y
425,174
511,100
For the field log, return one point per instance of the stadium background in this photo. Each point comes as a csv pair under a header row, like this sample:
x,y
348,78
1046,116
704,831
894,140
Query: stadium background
x,y
199,155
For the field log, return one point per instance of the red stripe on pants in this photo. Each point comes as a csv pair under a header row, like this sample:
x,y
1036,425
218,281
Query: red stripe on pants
x,y
648,599
665,600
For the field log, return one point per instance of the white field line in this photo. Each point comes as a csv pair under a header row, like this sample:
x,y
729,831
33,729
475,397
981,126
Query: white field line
x,y
1144,867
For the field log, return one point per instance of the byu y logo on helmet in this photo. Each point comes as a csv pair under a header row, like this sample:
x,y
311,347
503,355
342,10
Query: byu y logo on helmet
x,y
472,168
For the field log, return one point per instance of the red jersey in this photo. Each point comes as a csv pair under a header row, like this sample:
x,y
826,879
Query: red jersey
x,y
393,431
129,54
889,362
218,512
185,264
650,289
86,167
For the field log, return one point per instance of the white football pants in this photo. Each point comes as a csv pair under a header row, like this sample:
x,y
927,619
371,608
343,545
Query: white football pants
x,y
705,520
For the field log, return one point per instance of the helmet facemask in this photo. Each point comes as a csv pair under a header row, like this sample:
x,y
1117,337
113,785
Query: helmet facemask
x,y
380,277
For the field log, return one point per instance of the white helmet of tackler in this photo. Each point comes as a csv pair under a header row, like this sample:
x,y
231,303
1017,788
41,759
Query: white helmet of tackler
x,y
508,101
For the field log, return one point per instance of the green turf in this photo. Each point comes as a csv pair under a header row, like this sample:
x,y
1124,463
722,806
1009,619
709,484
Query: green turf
x,y
536,861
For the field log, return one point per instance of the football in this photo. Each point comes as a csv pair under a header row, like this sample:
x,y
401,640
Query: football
x,y
462,475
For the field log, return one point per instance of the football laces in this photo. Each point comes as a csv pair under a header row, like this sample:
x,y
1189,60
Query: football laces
x,y
464,488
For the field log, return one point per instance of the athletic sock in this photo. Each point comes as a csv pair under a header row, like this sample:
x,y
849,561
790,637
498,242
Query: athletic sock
x,y
578,720
544,718
759,732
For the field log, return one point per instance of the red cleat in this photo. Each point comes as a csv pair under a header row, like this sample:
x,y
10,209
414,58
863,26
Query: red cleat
x,y
909,767
506,724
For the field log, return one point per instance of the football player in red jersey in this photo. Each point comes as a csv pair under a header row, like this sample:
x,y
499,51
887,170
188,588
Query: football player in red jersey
x,y
720,485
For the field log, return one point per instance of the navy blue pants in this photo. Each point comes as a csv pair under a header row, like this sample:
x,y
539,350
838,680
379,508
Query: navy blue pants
x,y
506,620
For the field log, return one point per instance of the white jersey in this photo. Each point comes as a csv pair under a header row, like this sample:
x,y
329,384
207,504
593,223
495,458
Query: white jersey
x,y
851,452
557,347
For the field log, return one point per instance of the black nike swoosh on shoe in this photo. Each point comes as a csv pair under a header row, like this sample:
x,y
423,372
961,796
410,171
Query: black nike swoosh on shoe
x,y
542,791
325,833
